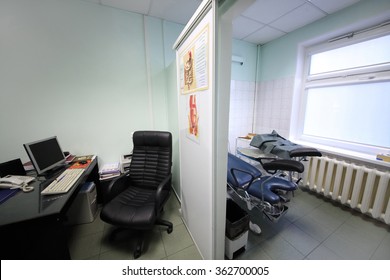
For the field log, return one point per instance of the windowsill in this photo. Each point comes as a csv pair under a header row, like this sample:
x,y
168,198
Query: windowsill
x,y
350,155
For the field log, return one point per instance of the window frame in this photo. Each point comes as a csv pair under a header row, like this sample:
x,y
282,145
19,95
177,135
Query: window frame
x,y
360,75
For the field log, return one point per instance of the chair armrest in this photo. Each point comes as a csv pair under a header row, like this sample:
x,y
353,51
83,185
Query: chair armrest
x,y
160,189
116,186
305,152
283,165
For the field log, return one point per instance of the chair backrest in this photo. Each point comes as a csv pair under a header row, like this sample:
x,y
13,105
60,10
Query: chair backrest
x,y
12,167
152,158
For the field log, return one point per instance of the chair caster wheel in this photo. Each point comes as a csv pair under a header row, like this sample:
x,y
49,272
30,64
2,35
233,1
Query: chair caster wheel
x,y
137,255
170,229
137,252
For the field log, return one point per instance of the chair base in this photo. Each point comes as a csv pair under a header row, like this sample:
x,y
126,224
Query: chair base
x,y
139,235
274,217
167,224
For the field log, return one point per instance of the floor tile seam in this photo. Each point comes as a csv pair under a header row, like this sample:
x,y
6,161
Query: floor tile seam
x,y
302,253
377,248
83,235
320,242
370,235
373,222
278,235
163,243
254,248
297,225
330,235
101,241
79,237
342,221
179,250
371,254
307,213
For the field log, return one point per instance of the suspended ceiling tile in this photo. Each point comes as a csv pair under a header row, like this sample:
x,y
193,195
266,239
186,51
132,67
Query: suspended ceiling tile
x,y
297,18
242,27
331,6
136,6
264,35
94,1
266,11
179,11
281,16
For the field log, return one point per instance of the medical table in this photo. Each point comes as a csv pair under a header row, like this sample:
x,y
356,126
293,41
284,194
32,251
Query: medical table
x,y
269,192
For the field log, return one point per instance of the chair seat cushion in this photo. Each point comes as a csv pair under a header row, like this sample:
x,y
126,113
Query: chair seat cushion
x,y
270,187
133,208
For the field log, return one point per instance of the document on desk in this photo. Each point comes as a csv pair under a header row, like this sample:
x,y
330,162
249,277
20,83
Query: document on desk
x,y
82,165
82,158
82,162
109,170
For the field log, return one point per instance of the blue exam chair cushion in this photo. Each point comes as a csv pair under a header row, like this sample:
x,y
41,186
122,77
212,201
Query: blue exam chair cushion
x,y
240,173
270,187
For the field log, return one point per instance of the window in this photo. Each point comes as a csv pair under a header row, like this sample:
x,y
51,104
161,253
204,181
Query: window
x,y
345,98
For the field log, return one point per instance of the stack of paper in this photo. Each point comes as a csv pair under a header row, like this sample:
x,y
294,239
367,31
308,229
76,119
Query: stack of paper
x,y
109,170
383,157
125,161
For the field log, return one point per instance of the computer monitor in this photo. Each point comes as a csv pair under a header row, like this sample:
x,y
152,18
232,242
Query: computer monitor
x,y
45,154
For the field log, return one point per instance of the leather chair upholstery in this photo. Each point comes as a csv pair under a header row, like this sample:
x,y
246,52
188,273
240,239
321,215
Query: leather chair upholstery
x,y
136,199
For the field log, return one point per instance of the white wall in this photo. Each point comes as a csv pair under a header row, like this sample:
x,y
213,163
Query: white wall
x,y
87,73
279,68
273,106
242,91
275,73
241,113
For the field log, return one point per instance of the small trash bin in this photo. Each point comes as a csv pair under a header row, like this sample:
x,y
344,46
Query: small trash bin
x,y
237,226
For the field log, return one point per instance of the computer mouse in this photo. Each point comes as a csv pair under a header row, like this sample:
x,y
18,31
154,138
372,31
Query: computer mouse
x,y
82,161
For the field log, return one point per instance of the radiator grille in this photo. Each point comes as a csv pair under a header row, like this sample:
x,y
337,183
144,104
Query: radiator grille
x,y
361,188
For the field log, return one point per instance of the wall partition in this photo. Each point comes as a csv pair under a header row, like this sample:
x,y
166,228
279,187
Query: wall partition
x,y
203,57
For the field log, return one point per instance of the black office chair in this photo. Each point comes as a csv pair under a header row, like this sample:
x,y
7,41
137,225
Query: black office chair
x,y
12,167
136,199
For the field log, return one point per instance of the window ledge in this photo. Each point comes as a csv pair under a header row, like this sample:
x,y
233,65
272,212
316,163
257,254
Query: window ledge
x,y
362,158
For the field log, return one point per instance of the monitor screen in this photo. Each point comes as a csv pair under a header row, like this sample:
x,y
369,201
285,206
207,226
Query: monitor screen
x,y
45,154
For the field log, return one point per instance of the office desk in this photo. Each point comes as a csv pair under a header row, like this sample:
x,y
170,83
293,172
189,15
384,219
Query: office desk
x,y
31,225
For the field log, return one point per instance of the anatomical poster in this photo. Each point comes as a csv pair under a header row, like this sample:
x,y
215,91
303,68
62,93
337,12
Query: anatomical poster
x,y
193,118
194,74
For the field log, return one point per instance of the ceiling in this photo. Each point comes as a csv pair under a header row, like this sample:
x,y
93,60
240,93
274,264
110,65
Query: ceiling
x,y
262,22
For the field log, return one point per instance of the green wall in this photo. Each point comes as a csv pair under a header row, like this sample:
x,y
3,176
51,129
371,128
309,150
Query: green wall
x,y
85,72
279,57
247,71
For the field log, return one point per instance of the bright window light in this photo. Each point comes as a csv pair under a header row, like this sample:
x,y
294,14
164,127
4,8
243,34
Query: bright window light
x,y
351,113
371,52
345,96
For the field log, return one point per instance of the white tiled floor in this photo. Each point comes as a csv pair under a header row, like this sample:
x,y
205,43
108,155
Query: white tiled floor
x,y
93,241
314,228
319,229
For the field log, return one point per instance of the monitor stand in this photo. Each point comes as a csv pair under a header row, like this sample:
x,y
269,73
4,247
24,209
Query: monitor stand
x,y
54,172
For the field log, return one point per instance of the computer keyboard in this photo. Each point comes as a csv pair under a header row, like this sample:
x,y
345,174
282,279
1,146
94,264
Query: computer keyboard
x,y
63,182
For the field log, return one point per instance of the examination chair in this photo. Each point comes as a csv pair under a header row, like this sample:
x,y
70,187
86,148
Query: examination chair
x,y
280,147
269,193
136,199
274,145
